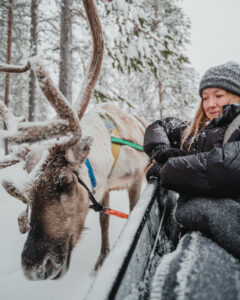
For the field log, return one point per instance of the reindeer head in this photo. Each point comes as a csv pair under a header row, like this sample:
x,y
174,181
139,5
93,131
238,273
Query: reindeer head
x,y
59,205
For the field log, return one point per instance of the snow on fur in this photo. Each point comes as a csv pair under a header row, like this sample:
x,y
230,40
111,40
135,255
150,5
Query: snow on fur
x,y
189,258
160,275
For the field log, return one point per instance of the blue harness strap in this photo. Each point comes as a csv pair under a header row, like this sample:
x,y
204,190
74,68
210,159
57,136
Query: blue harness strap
x,y
90,173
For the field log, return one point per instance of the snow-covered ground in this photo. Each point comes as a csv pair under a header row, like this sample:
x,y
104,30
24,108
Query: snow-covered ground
x,y
76,282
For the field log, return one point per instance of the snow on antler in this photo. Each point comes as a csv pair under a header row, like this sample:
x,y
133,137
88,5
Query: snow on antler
x,y
67,120
10,120
14,68
37,131
54,96
14,157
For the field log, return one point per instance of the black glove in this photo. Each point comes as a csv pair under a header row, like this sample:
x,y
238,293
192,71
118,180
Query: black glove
x,y
154,172
163,156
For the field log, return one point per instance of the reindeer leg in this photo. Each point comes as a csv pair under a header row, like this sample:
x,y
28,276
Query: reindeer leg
x,y
134,190
104,223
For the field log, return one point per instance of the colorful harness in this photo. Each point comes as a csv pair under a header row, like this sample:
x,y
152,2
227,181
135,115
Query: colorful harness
x,y
116,142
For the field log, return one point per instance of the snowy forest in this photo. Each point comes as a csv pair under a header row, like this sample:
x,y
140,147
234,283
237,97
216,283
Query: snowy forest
x,y
145,69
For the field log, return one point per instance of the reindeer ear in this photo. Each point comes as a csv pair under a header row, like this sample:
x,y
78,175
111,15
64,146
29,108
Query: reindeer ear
x,y
78,153
13,191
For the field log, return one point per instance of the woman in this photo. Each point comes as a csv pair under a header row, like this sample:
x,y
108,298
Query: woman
x,y
192,160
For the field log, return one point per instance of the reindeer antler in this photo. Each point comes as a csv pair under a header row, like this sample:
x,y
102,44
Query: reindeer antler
x,y
55,97
83,99
10,120
14,69
36,131
15,157
20,131
44,130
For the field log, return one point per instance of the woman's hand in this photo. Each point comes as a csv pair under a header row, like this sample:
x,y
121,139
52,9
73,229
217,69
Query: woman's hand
x,y
163,156
153,172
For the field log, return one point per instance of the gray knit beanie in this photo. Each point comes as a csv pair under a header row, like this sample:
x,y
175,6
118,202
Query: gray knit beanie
x,y
226,77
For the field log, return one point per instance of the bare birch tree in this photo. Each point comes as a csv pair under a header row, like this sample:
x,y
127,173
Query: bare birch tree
x,y
65,74
9,44
33,45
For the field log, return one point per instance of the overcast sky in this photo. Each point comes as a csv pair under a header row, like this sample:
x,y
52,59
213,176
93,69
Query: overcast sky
x,y
215,32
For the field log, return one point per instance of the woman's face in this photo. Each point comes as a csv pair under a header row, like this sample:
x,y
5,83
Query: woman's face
x,y
213,100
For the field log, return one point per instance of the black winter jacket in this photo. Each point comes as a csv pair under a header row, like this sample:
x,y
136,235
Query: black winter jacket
x,y
211,170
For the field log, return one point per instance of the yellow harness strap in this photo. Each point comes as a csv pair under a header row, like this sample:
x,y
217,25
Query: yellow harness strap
x,y
112,129
116,140
115,147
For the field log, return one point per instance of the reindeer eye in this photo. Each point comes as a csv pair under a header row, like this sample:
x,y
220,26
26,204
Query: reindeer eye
x,y
67,187
64,185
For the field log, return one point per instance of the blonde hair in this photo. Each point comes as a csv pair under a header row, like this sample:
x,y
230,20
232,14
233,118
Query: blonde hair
x,y
200,120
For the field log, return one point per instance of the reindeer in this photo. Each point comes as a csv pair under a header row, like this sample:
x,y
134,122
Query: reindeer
x,y
57,185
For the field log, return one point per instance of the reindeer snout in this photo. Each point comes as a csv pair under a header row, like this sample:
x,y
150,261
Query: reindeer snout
x,y
33,253
35,269
41,260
